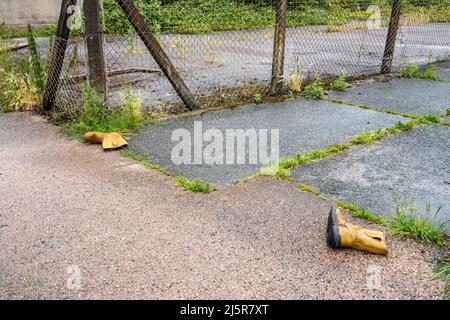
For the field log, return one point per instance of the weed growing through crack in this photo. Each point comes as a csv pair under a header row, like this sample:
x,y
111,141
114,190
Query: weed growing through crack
x,y
94,116
258,98
407,222
448,112
411,70
431,74
194,186
313,156
314,90
340,84
275,170
310,189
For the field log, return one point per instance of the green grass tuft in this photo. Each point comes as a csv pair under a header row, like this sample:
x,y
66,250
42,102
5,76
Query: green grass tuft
x,y
275,169
340,84
425,228
194,186
411,70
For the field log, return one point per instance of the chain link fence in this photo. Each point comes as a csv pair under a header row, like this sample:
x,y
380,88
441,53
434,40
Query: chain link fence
x,y
221,52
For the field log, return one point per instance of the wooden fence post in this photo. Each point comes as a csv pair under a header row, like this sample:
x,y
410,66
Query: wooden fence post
x,y
388,57
57,55
155,49
95,46
279,45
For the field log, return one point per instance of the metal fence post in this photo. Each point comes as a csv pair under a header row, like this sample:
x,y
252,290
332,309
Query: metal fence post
x,y
388,56
279,47
95,46
57,55
155,49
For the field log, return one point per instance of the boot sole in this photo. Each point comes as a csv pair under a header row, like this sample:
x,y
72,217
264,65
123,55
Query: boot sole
x,y
333,237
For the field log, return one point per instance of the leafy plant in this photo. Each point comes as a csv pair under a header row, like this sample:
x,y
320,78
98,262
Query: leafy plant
x,y
431,74
411,70
258,98
314,90
340,84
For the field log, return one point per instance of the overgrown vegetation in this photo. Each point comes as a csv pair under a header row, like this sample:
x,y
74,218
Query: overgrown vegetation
x,y
22,79
204,16
194,186
94,116
315,90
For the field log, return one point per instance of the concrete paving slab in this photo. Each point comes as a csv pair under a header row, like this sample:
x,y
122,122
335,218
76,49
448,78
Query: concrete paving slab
x,y
410,96
411,164
304,125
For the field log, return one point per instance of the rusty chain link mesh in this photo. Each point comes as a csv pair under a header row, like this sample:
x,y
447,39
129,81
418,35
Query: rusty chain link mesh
x,y
223,50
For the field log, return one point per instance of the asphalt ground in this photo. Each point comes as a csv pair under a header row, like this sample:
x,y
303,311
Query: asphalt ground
x,y
76,222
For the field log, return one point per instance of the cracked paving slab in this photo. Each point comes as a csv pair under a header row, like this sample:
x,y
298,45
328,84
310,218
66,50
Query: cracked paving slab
x,y
304,126
412,164
134,234
408,96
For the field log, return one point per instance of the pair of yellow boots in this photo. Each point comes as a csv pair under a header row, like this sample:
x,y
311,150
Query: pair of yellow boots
x,y
341,234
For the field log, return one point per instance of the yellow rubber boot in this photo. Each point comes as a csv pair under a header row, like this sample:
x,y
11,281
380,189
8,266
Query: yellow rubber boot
x,y
109,141
341,234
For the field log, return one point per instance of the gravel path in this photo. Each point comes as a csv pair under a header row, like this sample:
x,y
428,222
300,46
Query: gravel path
x,y
133,233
